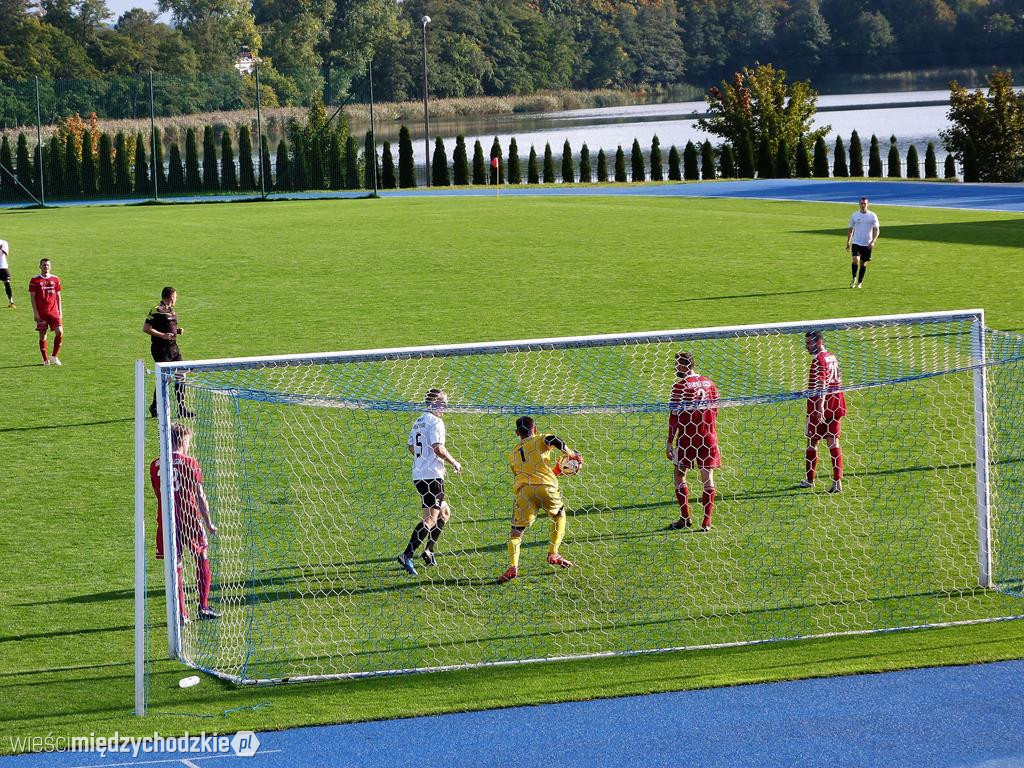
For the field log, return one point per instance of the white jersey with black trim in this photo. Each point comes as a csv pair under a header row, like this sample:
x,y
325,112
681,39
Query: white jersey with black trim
x,y
4,250
427,432
862,224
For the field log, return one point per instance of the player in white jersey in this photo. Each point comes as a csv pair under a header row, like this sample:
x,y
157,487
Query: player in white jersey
x,y
429,456
860,240
5,273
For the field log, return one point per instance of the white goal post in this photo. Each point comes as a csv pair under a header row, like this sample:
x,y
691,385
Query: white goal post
x,y
305,465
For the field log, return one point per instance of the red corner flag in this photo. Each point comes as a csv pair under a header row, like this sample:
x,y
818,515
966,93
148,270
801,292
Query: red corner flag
x,y
494,162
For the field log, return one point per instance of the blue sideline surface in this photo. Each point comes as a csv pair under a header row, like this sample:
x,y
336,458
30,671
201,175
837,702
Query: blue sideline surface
x,y
988,197
950,717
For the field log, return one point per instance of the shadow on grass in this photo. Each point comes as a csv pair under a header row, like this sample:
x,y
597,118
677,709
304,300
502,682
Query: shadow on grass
x,y
1004,233
68,426
759,295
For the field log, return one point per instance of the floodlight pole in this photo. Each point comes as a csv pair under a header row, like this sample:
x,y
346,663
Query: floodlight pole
x,y
259,132
152,140
373,135
41,170
426,111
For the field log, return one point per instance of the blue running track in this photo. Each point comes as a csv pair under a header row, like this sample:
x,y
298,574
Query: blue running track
x,y
951,717
988,197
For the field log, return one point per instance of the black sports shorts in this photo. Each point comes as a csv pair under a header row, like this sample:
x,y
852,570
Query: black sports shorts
x,y
5,275
431,491
863,252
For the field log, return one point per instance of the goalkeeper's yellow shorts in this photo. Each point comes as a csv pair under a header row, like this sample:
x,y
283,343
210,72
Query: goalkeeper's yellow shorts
x,y
530,499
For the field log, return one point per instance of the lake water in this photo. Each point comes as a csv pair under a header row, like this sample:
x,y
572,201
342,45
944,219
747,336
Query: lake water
x,y
914,117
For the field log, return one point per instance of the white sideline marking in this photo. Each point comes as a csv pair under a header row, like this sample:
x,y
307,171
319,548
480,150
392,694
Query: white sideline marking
x,y
187,761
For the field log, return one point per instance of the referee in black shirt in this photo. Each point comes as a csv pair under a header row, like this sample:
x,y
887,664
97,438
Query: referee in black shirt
x,y
162,326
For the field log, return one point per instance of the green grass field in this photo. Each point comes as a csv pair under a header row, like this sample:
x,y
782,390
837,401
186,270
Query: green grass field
x,y
318,276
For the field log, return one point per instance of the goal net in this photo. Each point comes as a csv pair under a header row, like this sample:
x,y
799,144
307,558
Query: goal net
x,y
305,464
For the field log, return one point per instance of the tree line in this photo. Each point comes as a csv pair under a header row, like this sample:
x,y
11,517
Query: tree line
x,y
80,162
478,47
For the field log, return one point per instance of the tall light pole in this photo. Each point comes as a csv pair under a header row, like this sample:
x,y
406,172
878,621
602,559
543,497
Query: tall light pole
x,y
373,134
426,113
247,64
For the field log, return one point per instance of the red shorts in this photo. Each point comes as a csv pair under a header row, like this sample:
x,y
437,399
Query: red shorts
x,y
820,429
194,539
50,322
700,454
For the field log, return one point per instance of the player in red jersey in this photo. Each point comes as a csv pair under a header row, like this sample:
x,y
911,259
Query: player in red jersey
x,y
826,407
45,289
191,515
693,438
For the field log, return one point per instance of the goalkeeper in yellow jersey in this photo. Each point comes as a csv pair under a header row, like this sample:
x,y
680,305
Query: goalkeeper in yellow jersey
x,y
536,488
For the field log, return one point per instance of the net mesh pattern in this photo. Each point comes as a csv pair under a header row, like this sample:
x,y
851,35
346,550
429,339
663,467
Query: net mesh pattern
x,y
309,480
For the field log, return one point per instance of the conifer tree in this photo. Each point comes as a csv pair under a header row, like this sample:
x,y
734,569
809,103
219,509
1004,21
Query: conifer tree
x,y
931,166
246,171
387,168
674,171
515,171
568,168
620,165
874,159
479,165
336,160
690,172
802,169
602,166
439,175
228,172
24,163
370,170
707,160
266,169
143,185
297,163
657,171
72,169
783,167
460,162
282,171
122,171
106,164
840,169
532,172
497,174
970,169
820,169
637,162
175,170
549,165
586,173
193,181
895,170
55,181
856,156
157,168
949,167
351,163
7,187
406,166
913,164
728,162
211,181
